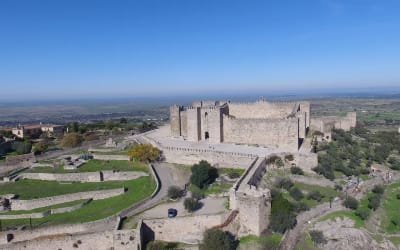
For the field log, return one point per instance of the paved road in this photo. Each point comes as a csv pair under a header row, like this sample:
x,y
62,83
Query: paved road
x,y
166,181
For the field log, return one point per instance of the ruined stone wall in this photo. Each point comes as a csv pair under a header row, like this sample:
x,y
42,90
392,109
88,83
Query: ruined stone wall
x,y
54,200
107,175
281,133
183,229
191,156
261,109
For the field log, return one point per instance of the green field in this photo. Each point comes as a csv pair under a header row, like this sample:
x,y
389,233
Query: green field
x,y
43,209
31,189
391,206
94,166
137,190
325,191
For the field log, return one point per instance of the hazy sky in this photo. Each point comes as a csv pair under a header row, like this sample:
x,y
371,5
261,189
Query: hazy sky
x,y
111,48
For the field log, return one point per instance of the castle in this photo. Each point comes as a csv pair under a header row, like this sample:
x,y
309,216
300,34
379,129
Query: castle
x,y
270,124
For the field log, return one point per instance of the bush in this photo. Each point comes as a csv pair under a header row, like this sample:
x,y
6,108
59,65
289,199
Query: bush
x,y
315,195
374,201
71,140
363,213
296,193
21,147
284,183
215,239
350,202
296,170
203,174
289,157
395,221
378,189
338,187
191,204
174,192
301,207
398,196
160,245
143,152
40,147
233,175
317,237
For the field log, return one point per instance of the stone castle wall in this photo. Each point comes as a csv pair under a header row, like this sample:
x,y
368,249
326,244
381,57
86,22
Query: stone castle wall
x,y
183,229
54,200
260,109
326,124
191,156
271,132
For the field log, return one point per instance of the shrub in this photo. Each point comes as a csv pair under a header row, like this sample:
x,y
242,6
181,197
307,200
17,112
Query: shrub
x,y
233,175
191,204
378,189
174,192
374,201
338,187
284,183
71,140
317,237
350,202
363,213
203,174
296,170
21,147
398,196
143,152
301,207
395,221
215,239
315,195
289,157
296,193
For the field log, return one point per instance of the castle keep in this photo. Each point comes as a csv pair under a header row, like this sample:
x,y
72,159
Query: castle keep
x,y
281,124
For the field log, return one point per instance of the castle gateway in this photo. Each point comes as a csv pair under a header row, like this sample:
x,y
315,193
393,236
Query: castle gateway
x,y
281,125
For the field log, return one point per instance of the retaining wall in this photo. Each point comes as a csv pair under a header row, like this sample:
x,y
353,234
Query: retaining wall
x,y
111,157
108,175
54,200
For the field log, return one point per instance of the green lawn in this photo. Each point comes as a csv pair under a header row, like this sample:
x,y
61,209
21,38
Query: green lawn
x,y
230,170
95,165
31,189
270,241
391,206
325,191
358,222
137,190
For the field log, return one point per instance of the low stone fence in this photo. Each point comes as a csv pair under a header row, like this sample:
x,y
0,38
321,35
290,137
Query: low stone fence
x,y
108,175
45,213
111,157
54,200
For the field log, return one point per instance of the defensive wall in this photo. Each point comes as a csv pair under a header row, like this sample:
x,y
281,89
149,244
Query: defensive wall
x,y
107,175
54,200
252,202
191,156
327,123
188,229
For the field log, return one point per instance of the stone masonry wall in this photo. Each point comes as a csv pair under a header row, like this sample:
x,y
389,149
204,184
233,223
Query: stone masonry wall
x,y
183,229
260,109
220,159
54,200
85,176
281,133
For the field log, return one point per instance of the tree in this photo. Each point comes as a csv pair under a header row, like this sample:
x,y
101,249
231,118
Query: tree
x,y
350,202
203,174
315,195
123,120
71,140
40,147
296,170
191,204
283,216
174,192
374,201
363,213
215,239
21,147
284,183
143,152
378,189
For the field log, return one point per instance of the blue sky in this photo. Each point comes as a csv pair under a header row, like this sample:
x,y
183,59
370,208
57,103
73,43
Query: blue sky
x,y
72,48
